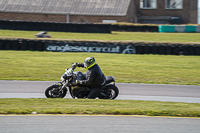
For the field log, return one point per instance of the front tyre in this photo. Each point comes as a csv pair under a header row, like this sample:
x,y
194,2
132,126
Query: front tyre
x,y
53,91
110,92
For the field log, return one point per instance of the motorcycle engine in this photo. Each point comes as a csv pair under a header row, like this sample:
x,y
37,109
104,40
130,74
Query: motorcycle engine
x,y
80,92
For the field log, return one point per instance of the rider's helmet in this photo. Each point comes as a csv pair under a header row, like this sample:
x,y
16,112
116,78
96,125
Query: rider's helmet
x,y
45,32
89,62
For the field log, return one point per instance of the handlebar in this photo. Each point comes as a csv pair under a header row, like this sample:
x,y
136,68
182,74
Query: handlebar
x,y
74,65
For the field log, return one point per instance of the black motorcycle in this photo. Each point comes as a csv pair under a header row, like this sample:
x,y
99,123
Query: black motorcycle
x,y
59,90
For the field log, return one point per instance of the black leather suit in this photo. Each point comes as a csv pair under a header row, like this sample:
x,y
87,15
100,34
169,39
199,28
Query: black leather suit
x,y
95,79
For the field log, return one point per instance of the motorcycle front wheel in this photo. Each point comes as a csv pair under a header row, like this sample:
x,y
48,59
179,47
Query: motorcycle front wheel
x,y
53,91
110,92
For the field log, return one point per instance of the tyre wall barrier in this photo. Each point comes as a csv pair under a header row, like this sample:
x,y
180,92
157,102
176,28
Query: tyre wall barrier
x,y
133,28
72,27
100,47
52,26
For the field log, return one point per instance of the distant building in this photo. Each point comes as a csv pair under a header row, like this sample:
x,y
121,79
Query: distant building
x,y
98,11
161,11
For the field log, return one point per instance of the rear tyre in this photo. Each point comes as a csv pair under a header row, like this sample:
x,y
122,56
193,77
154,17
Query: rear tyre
x,y
53,91
110,92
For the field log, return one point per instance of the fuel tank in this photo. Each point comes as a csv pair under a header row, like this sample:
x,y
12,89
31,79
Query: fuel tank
x,y
79,75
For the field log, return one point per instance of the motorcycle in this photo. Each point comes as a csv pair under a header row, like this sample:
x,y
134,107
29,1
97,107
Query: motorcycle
x,y
42,34
67,83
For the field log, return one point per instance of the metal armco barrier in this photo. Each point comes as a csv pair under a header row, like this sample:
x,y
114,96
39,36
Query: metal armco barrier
x,y
100,47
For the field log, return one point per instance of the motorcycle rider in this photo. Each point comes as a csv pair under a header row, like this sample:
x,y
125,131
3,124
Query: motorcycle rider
x,y
42,34
95,78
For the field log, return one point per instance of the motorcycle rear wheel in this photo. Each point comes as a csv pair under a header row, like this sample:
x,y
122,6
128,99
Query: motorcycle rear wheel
x,y
110,92
53,91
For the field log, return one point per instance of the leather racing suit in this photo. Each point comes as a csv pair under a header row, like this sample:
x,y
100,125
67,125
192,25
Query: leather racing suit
x,y
95,79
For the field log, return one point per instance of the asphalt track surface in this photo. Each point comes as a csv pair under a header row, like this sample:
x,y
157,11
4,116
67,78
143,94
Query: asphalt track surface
x,y
101,124
129,91
97,124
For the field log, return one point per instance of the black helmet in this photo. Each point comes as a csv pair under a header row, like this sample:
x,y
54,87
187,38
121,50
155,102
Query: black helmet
x,y
89,62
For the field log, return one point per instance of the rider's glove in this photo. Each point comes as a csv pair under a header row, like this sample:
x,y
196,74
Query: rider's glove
x,y
74,65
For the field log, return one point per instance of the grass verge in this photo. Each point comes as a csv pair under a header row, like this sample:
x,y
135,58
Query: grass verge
x,y
153,69
108,107
115,36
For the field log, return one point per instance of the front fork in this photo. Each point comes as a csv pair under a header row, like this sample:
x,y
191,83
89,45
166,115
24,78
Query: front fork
x,y
62,86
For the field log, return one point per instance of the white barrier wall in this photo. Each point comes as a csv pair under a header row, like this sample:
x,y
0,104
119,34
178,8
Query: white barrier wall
x,y
180,28
197,28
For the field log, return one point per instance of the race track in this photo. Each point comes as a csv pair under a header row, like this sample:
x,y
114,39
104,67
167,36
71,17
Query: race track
x,y
152,92
99,124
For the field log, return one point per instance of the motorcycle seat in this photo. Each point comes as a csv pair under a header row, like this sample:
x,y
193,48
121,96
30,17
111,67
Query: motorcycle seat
x,y
110,79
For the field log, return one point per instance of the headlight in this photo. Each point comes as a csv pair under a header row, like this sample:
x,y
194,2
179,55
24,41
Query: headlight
x,y
64,76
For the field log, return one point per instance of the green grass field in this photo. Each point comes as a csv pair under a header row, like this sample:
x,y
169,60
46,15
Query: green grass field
x,y
91,107
115,36
155,69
